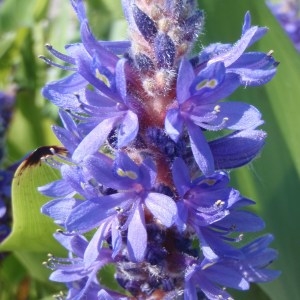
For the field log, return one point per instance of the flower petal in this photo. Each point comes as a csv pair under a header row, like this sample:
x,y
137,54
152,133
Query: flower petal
x,y
162,207
173,124
94,140
128,129
137,235
201,150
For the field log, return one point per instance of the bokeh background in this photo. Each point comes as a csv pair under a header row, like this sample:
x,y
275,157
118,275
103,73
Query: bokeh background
x,y
271,180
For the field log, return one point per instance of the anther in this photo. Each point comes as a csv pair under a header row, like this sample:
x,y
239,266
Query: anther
x,y
52,63
217,109
119,209
219,203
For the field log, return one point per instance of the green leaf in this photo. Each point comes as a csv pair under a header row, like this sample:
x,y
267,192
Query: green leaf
x,y
23,276
272,180
31,231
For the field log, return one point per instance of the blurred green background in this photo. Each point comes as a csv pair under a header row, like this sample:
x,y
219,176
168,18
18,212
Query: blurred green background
x,y
272,180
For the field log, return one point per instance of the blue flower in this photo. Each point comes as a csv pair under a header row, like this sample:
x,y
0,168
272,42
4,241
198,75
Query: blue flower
x,y
212,210
124,209
212,276
200,88
81,280
97,64
141,179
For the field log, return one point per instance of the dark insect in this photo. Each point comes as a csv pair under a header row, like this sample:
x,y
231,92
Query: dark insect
x,y
35,157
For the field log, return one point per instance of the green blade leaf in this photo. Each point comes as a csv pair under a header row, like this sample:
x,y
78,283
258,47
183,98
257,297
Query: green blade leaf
x,y
32,231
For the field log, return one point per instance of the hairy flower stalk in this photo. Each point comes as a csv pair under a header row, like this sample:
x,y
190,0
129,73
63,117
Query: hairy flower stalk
x,y
142,187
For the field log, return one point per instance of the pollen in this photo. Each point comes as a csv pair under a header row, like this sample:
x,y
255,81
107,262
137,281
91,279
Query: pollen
x,y
217,108
219,203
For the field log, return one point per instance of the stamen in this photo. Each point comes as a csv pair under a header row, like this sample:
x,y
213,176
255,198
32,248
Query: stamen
x,y
59,55
219,203
217,109
52,63
119,209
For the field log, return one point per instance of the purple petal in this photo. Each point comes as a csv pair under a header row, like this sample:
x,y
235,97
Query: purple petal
x,y
62,92
239,115
226,276
185,75
182,216
220,91
121,78
73,274
137,235
250,77
84,63
89,214
74,243
94,140
242,221
58,188
212,291
237,149
173,124
181,176
248,38
66,138
92,46
60,209
208,79
101,168
162,207
201,150
92,250
128,129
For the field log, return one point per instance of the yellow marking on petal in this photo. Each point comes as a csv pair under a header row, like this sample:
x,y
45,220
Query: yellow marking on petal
x,y
209,181
207,83
103,78
130,174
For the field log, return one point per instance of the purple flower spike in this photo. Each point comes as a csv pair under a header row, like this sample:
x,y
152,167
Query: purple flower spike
x,y
142,185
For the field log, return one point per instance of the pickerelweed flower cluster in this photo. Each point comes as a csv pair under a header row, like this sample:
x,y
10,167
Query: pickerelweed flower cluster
x,y
6,173
142,187
287,13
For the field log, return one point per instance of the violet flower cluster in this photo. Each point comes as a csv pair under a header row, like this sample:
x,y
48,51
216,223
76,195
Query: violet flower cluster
x,y
287,12
6,173
142,187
